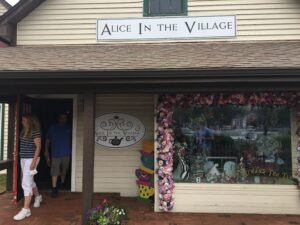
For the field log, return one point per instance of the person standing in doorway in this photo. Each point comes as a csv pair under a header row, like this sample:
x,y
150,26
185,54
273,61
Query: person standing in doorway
x,y
59,136
30,147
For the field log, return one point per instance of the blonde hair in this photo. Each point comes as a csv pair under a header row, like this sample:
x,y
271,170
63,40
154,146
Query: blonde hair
x,y
33,125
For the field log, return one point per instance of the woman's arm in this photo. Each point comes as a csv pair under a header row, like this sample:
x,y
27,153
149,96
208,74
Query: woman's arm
x,y
38,145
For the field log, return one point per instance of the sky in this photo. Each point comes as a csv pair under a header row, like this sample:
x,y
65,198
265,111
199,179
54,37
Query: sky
x,y
12,2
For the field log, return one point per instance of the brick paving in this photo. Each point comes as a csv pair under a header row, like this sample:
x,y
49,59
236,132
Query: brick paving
x,y
66,210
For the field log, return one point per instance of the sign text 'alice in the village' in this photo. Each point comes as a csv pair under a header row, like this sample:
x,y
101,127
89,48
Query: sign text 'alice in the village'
x,y
174,27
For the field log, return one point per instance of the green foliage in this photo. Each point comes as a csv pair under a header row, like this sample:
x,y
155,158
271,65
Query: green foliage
x,y
2,183
106,214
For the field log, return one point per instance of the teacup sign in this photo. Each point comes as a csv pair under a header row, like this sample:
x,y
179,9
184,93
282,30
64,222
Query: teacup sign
x,y
118,130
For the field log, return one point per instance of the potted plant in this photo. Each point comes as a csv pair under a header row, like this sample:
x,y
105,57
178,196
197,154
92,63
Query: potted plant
x,y
106,214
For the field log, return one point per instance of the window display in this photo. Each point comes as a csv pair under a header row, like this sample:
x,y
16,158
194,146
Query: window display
x,y
232,144
225,138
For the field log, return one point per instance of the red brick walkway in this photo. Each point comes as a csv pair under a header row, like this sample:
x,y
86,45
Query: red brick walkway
x,y
66,210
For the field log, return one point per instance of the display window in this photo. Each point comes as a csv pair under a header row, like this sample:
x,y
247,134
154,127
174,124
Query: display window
x,y
232,144
228,138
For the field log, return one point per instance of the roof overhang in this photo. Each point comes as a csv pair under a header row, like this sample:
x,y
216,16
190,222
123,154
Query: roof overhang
x,y
5,4
150,81
151,67
9,20
160,67
19,11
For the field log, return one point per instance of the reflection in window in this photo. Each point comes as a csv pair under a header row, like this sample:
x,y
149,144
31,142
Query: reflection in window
x,y
232,144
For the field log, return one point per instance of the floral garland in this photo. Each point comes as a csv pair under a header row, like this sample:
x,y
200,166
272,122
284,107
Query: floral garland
x,y
165,159
165,137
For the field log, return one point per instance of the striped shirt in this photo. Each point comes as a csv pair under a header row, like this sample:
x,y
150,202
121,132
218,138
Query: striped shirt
x,y
27,146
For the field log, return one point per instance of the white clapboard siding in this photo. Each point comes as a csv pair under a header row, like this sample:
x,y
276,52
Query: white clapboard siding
x,y
231,198
2,9
114,169
74,21
241,198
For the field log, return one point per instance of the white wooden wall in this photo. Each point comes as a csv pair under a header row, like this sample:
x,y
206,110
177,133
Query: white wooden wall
x,y
235,198
74,21
115,168
2,9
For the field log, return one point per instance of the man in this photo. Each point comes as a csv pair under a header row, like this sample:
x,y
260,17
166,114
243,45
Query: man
x,y
59,136
204,138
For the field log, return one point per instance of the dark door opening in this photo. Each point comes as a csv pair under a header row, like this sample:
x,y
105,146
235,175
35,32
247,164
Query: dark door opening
x,y
47,111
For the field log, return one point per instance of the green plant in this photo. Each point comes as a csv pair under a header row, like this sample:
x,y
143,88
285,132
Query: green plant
x,y
106,214
2,183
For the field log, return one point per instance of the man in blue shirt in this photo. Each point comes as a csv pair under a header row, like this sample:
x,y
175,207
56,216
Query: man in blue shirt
x,y
204,138
59,136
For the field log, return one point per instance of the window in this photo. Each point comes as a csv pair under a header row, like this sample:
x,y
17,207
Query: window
x,y
232,144
165,7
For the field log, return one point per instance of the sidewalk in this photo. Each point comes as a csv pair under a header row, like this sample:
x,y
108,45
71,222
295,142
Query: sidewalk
x,y
66,210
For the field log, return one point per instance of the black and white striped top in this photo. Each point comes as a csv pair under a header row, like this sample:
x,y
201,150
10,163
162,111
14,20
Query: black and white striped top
x,y
27,146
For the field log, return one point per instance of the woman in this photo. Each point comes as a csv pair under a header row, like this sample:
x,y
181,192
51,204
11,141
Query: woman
x,y
30,147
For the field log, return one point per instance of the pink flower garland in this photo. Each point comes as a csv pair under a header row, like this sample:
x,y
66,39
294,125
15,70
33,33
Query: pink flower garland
x,y
165,156
165,135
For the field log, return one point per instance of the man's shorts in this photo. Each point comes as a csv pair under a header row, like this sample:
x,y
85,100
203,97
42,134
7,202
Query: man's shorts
x,y
60,166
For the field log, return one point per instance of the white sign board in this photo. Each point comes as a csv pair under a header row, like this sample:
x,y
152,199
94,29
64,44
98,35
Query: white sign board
x,y
118,130
167,28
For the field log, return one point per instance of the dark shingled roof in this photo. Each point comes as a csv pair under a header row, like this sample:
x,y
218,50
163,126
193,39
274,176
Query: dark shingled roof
x,y
159,56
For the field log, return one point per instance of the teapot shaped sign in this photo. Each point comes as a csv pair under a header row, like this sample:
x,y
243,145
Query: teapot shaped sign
x,y
118,130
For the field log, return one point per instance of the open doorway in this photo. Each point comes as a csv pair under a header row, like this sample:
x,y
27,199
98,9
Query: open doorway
x,y
47,111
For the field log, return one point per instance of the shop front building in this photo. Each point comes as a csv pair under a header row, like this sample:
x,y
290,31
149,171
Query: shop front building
x,y
213,85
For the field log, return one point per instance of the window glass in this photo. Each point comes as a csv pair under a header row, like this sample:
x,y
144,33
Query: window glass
x,y
170,6
164,7
154,6
232,144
